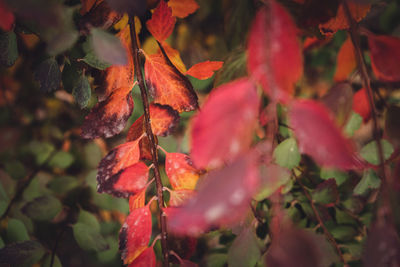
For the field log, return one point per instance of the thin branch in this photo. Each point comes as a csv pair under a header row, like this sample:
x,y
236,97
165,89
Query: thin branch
x,y
319,219
153,145
54,250
25,183
366,80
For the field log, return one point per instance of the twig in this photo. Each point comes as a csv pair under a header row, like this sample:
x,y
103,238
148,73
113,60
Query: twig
x,y
319,219
54,250
153,145
25,183
362,67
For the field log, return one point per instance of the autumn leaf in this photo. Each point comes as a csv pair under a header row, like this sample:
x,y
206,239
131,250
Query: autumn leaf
x,y
204,70
385,56
136,131
358,12
274,54
128,181
180,197
182,8
163,119
222,199
162,22
167,85
6,17
180,171
345,61
146,259
361,104
224,127
116,77
137,200
116,160
319,137
135,234
109,117
174,57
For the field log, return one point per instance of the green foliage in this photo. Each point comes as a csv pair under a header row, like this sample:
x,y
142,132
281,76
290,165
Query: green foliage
x,y
370,151
287,154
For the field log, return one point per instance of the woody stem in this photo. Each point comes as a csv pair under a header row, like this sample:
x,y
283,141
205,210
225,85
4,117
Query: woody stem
x,y
152,141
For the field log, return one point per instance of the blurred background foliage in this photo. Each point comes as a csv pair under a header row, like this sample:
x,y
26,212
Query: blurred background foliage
x,y
50,210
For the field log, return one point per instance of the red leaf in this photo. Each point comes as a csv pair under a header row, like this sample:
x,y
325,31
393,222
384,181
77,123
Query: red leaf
x,y
180,197
116,160
223,199
361,104
180,171
274,55
183,8
319,137
385,56
204,70
6,17
116,77
162,22
109,117
146,259
136,131
224,127
135,234
126,182
167,85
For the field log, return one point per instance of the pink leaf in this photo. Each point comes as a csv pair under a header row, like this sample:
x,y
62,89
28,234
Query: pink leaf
x,y
274,55
319,137
224,126
223,198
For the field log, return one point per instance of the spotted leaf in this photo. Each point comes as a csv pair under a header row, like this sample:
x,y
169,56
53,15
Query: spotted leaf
x,y
180,171
274,54
224,127
222,199
319,137
162,22
167,85
135,234
204,70
146,259
117,160
183,8
109,117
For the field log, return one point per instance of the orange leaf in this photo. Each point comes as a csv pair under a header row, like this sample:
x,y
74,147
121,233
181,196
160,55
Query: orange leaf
x,y
135,131
385,56
146,259
175,57
162,22
180,171
115,77
128,181
179,197
163,119
361,104
167,85
6,17
204,70
274,56
137,201
183,8
135,234
109,117
358,12
346,61
87,5
116,160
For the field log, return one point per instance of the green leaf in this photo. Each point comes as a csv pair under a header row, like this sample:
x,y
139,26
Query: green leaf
x,y
245,250
370,151
42,208
63,184
70,75
370,180
16,231
93,154
15,169
343,232
353,124
287,154
326,193
8,48
217,260
82,92
61,160
88,238
4,199
338,175
92,60
48,74
21,254
108,47
89,219
273,177
40,150
110,254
